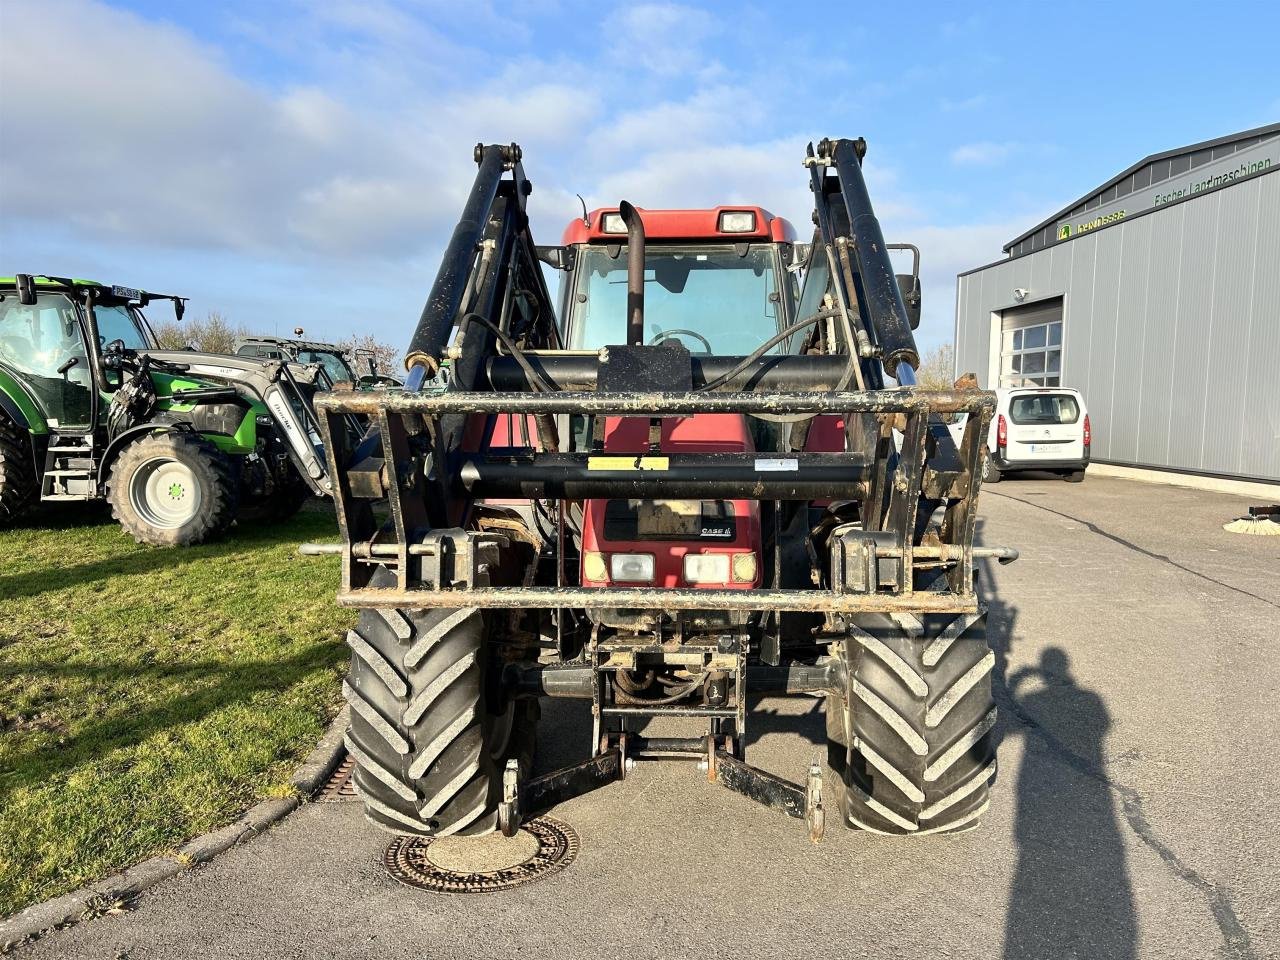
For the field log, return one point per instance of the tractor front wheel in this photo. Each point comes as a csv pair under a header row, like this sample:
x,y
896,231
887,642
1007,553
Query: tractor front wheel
x,y
17,471
431,730
911,736
172,490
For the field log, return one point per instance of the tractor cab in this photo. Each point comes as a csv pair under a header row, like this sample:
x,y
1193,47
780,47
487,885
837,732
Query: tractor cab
x,y
332,358
716,284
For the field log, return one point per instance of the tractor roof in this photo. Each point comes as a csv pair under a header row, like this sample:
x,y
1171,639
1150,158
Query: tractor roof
x,y
67,283
41,280
600,227
314,345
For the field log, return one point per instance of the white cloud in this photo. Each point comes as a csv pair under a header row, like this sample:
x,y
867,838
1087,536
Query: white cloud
x,y
131,130
985,153
129,134
665,38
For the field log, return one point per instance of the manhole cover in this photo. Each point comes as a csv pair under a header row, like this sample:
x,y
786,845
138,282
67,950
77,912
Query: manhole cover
x,y
448,866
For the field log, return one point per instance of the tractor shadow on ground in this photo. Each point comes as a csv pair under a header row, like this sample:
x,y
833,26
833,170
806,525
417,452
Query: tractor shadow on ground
x,y
134,559
1071,894
213,687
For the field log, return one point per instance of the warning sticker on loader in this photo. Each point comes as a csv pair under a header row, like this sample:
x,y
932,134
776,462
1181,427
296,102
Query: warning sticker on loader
x,y
628,463
777,464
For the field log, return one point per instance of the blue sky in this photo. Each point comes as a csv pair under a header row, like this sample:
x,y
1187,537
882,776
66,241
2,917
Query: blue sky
x,y
302,162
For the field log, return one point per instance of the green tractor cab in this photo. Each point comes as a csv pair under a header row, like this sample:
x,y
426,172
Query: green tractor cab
x,y
179,443
358,368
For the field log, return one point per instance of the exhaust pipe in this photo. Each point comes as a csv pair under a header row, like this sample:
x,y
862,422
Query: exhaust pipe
x,y
635,273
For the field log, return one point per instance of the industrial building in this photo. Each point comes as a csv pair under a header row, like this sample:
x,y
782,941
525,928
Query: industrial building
x,y
1157,295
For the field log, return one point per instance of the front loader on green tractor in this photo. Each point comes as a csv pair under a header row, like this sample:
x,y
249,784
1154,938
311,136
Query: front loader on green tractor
x,y
708,476
179,443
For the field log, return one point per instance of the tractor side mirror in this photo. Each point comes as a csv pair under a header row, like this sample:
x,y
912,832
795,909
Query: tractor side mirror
x,y
910,287
179,308
26,289
800,254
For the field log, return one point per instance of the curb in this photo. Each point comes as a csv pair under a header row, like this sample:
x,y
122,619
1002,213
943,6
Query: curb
x,y
109,894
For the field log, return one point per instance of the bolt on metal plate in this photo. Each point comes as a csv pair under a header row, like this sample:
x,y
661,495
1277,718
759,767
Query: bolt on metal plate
x,y
408,860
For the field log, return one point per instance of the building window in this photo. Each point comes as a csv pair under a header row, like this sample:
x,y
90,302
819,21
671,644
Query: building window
x,y
1032,356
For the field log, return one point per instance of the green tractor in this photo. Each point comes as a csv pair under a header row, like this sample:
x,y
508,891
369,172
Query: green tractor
x,y
179,443
338,363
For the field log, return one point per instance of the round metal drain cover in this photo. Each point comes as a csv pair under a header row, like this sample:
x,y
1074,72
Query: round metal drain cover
x,y
409,860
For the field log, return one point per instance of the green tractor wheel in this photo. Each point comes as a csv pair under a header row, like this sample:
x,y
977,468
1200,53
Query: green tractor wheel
x,y
17,472
172,489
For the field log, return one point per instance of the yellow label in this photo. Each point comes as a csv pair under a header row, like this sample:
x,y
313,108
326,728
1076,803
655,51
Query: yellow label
x,y
628,463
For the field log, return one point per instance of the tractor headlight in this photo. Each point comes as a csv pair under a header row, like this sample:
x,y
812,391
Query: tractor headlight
x,y
744,568
593,567
737,221
612,223
706,568
631,568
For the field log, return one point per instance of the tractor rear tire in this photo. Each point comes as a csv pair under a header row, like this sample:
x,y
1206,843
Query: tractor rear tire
x,y
17,472
172,490
428,741
915,723
281,504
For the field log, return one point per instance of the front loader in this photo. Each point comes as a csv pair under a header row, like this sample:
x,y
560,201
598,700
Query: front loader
x,y
709,476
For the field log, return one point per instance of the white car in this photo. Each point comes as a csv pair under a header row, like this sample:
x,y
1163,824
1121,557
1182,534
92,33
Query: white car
x,y
1035,428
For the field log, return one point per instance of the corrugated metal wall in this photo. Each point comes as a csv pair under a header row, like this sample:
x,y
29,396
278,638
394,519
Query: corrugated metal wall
x,y
1171,330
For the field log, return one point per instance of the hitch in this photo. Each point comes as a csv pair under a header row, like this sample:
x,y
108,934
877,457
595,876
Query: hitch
x,y
523,798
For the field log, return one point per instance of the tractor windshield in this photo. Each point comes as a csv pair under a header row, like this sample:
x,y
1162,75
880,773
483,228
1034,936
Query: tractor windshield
x,y
334,365
119,322
711,297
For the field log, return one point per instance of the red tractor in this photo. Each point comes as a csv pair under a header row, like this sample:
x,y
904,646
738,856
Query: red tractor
x,y
689,485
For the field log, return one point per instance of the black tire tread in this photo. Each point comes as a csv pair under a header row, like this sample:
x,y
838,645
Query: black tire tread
x,y
917,721
213,469
281,504
421,731
17,472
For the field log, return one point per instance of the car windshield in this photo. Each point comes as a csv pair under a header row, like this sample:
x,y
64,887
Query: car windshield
x,y
333,364
1044,408
119,322
712,298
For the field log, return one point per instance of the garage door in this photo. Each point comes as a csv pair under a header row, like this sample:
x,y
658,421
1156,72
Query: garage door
x,y
1031,345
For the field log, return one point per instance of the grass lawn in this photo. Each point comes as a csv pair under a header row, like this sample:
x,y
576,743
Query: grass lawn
x,y
148,696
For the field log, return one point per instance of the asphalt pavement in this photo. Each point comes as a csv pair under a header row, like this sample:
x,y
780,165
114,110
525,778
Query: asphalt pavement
x,y
1135,815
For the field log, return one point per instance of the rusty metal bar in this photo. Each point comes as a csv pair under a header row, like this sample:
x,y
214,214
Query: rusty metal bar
x,y
759,785
366,551
647,598
905,400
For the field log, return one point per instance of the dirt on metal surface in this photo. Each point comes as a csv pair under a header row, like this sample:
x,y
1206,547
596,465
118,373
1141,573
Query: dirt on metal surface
x,y
473,865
